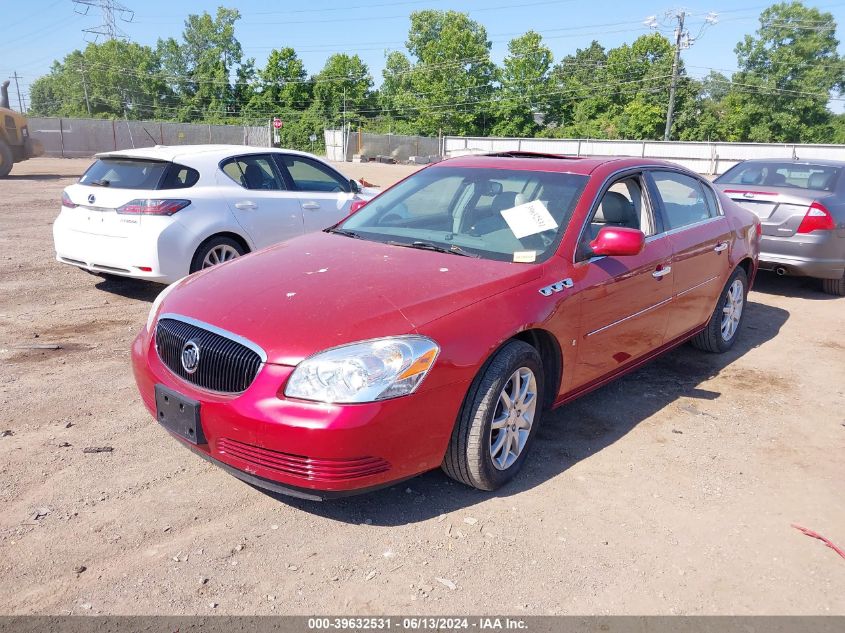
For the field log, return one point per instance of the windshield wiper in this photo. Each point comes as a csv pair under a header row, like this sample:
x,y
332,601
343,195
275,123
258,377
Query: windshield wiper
x,y
428,246
101,183
345,232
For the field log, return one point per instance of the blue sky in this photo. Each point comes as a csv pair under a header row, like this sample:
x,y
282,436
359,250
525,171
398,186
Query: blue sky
x,y
318,28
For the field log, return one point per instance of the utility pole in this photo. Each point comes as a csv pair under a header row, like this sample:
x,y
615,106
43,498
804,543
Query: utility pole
x,y
16,76
683,40
345,136
85,90
670,112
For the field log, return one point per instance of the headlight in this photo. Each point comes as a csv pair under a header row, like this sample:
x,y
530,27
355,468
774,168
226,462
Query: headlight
x,y
364,372
157,303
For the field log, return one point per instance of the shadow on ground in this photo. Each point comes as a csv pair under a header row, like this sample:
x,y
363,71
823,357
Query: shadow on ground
x,y
801,287
130,288
568,435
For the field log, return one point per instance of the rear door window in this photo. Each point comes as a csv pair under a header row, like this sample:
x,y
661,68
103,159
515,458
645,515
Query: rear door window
x,y
179,177
254,172
125,173
683,199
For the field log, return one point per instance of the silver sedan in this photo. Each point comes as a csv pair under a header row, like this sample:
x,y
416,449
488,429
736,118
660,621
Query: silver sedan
x,y
801,205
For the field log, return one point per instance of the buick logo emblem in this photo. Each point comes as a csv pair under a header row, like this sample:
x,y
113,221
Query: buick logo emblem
x,y
190,357
92,199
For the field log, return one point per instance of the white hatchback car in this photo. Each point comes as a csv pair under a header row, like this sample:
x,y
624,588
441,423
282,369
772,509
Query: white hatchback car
x,y
161,213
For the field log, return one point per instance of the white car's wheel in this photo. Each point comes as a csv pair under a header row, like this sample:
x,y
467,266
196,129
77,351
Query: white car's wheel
x,y
216,250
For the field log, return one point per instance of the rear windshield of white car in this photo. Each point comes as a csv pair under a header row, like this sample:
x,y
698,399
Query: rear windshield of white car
x,y
779,174
125,173
506,215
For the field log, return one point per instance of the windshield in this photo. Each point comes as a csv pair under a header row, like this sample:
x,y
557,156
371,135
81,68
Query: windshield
x,y
507,215
796,175
124,173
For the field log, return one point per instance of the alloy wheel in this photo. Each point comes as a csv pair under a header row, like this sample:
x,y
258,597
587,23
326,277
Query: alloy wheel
x,y
513,418
732,310
218,255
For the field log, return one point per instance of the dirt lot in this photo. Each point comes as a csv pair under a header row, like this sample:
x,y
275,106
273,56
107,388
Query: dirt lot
x,y
670,491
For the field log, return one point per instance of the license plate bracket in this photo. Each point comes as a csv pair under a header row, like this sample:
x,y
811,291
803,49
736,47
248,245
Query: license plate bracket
x,y
179,415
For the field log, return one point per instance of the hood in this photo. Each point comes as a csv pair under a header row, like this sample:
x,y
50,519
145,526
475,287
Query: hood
x,y
323,290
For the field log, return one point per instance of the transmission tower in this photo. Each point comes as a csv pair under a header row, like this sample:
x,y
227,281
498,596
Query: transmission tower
x,y
112,11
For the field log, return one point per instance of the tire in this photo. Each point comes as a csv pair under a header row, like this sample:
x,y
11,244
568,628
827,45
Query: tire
x,y
834,287
6,159
220,245
719,336
471,457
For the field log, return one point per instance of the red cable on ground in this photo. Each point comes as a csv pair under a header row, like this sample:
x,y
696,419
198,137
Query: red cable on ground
x,y
824,540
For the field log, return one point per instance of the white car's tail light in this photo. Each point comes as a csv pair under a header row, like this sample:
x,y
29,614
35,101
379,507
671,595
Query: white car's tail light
x,y
66,201
153,207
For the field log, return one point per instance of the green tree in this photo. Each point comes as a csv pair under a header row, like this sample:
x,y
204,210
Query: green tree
x,y
201,65
787,72
343,85
524,87
119,78
452,79
282,84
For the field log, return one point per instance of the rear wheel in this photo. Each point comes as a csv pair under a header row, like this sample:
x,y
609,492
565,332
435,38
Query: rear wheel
x,y
834,286
6,159
216,251
498,420
721,331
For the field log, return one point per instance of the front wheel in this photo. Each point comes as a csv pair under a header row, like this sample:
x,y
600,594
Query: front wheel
x,y
721,331
498,420
216,251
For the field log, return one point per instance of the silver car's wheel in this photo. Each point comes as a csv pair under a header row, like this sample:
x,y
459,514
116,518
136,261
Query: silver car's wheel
x,y
219,254
732,310
513,418
216,250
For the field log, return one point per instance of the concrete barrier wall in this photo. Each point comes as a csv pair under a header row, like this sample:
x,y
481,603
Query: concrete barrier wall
x,y
704,158
72,138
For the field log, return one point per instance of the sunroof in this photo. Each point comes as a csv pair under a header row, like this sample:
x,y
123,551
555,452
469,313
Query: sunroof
x,y
521,154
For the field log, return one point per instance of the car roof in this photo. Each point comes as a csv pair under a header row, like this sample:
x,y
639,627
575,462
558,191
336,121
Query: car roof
x,y
535,161
824,162
171,153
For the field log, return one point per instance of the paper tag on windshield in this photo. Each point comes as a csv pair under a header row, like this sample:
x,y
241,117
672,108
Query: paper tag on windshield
x,y
529,219
524,257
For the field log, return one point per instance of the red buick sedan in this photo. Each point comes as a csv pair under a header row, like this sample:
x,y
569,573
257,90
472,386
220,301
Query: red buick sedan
x,y
436,325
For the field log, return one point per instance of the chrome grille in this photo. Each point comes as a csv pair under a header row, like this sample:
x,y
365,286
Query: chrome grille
x,y
225,364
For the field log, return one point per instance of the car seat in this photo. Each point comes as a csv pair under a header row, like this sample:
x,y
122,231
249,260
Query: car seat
x,y
818,180
614,210
256,178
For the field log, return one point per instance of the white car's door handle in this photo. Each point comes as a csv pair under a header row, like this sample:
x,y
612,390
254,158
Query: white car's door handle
x,y
721,246
245,205
311,206
657,274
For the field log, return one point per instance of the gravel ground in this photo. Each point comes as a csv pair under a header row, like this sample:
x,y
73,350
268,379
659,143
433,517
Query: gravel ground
x,y
671,491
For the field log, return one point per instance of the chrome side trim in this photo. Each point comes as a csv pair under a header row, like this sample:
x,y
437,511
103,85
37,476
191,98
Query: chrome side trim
x,y
216,330
703,283
631,316
685,227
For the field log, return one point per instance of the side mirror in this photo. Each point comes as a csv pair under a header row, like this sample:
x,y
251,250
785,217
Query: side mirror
x,y
354,185
618,242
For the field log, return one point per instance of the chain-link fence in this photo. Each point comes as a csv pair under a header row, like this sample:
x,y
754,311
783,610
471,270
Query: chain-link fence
x,y
71,138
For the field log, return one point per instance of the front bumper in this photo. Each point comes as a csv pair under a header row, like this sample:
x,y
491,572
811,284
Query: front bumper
x,y
307,449
819,254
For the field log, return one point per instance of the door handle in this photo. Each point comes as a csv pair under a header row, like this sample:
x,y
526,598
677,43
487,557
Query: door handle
x,y
661,272
311,206
721,246
245,205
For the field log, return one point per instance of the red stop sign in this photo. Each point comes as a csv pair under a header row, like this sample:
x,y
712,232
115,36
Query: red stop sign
x,y
277,123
